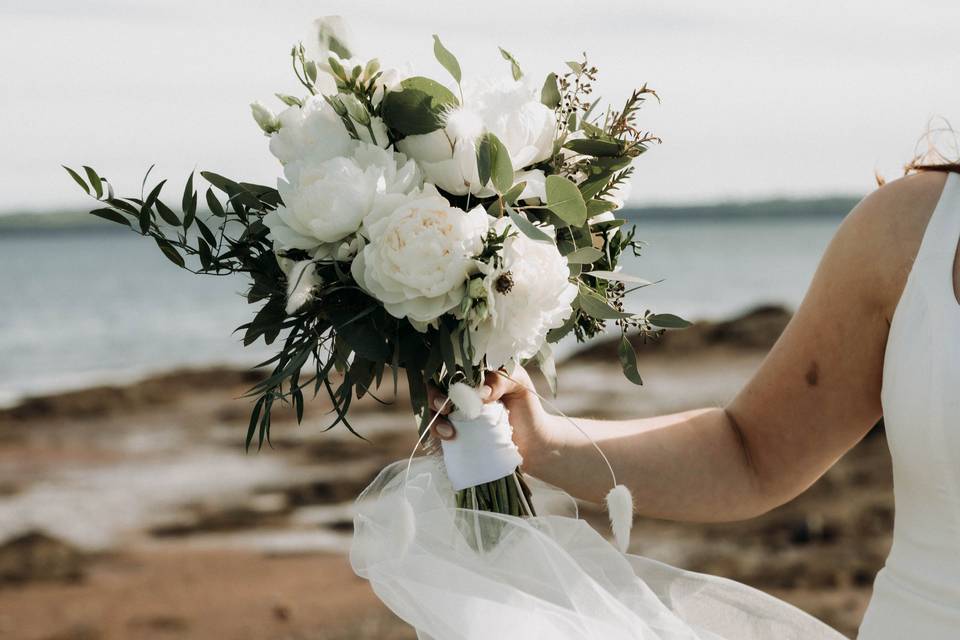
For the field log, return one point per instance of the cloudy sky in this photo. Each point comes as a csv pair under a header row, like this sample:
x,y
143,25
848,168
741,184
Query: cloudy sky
x,y
759,98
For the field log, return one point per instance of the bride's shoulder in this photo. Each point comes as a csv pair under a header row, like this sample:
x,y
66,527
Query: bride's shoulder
x,y
885,229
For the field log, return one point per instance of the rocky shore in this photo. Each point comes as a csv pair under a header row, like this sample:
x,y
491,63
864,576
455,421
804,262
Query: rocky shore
x,y
133,512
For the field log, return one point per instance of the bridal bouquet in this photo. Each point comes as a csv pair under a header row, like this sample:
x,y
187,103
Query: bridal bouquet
x,y
442,226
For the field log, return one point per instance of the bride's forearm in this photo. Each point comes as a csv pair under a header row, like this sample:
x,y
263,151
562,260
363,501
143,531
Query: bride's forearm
x,y
693,465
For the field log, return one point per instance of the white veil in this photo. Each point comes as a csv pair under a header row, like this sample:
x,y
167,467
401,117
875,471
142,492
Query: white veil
x,y
457,574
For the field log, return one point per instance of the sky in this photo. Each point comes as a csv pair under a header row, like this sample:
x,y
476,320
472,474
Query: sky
x,y
759,99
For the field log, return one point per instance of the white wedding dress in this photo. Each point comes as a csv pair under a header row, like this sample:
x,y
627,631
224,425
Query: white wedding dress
x,y
917,593
552,577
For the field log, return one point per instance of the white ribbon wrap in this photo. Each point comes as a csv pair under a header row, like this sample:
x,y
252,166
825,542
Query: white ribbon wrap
x,y
483,450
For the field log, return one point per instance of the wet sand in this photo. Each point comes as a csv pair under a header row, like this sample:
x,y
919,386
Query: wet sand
x,y
133,512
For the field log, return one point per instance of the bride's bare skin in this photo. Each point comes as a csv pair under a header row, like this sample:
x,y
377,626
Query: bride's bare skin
x,y
816,394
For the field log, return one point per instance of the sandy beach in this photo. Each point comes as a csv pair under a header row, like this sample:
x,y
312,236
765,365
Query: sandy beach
x,y
133,511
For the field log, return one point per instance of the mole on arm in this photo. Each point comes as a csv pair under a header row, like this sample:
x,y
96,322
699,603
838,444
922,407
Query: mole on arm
x,y
813,374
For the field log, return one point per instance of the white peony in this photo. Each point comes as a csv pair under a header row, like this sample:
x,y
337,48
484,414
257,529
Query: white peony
x,y
420,256
325,202
511,110
313,132
527,296
448,156
507,108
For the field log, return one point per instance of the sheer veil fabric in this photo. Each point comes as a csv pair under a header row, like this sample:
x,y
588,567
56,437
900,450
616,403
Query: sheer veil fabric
x,y
456,574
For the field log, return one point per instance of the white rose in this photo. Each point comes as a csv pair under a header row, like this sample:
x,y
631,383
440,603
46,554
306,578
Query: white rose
x,y
508,109
313,132
324,202
527,296
420,256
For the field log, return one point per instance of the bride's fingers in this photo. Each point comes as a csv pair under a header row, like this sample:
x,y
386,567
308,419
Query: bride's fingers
x,y
499,386
437,401
442,429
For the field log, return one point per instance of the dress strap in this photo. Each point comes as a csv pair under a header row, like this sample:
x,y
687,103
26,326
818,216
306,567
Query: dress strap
x,y
943,230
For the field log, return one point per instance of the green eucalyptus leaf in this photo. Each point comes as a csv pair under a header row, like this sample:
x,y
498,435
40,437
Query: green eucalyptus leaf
x,y
511,196
447,59
576,67
565,200
555,335
417,107
667,321
584,255
595,306
526,227
597,206
514,65
500,167
628,360
550,93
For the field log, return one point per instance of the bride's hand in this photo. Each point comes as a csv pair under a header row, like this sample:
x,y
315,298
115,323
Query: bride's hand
x,y
527,417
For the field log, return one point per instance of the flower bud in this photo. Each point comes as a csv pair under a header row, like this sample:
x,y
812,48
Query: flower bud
x,y
475,288
265,118
358,113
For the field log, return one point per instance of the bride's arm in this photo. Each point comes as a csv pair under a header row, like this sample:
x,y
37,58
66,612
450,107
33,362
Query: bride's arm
x,y
816,394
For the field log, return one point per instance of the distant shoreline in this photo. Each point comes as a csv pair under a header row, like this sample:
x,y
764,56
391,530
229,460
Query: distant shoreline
x,y
79,220
752,332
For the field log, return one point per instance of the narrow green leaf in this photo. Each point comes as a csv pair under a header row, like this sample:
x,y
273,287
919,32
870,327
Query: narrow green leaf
x,y
616,276
111,215
76,177
628,360
206,233
94,181
667,321
254,419
167,213
565,200
154,194
550,93
146,219
584,255
576,67
593,147
187,194
447,59
216,208
514,65
170,252
526,227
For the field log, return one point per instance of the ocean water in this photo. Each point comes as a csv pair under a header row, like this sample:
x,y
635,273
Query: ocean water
x,y
87,307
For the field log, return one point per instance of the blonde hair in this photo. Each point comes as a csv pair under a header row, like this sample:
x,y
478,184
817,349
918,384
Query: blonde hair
x,y
937,150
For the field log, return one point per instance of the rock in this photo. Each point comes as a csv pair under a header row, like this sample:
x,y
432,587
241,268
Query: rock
x,y
36,556
757,329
